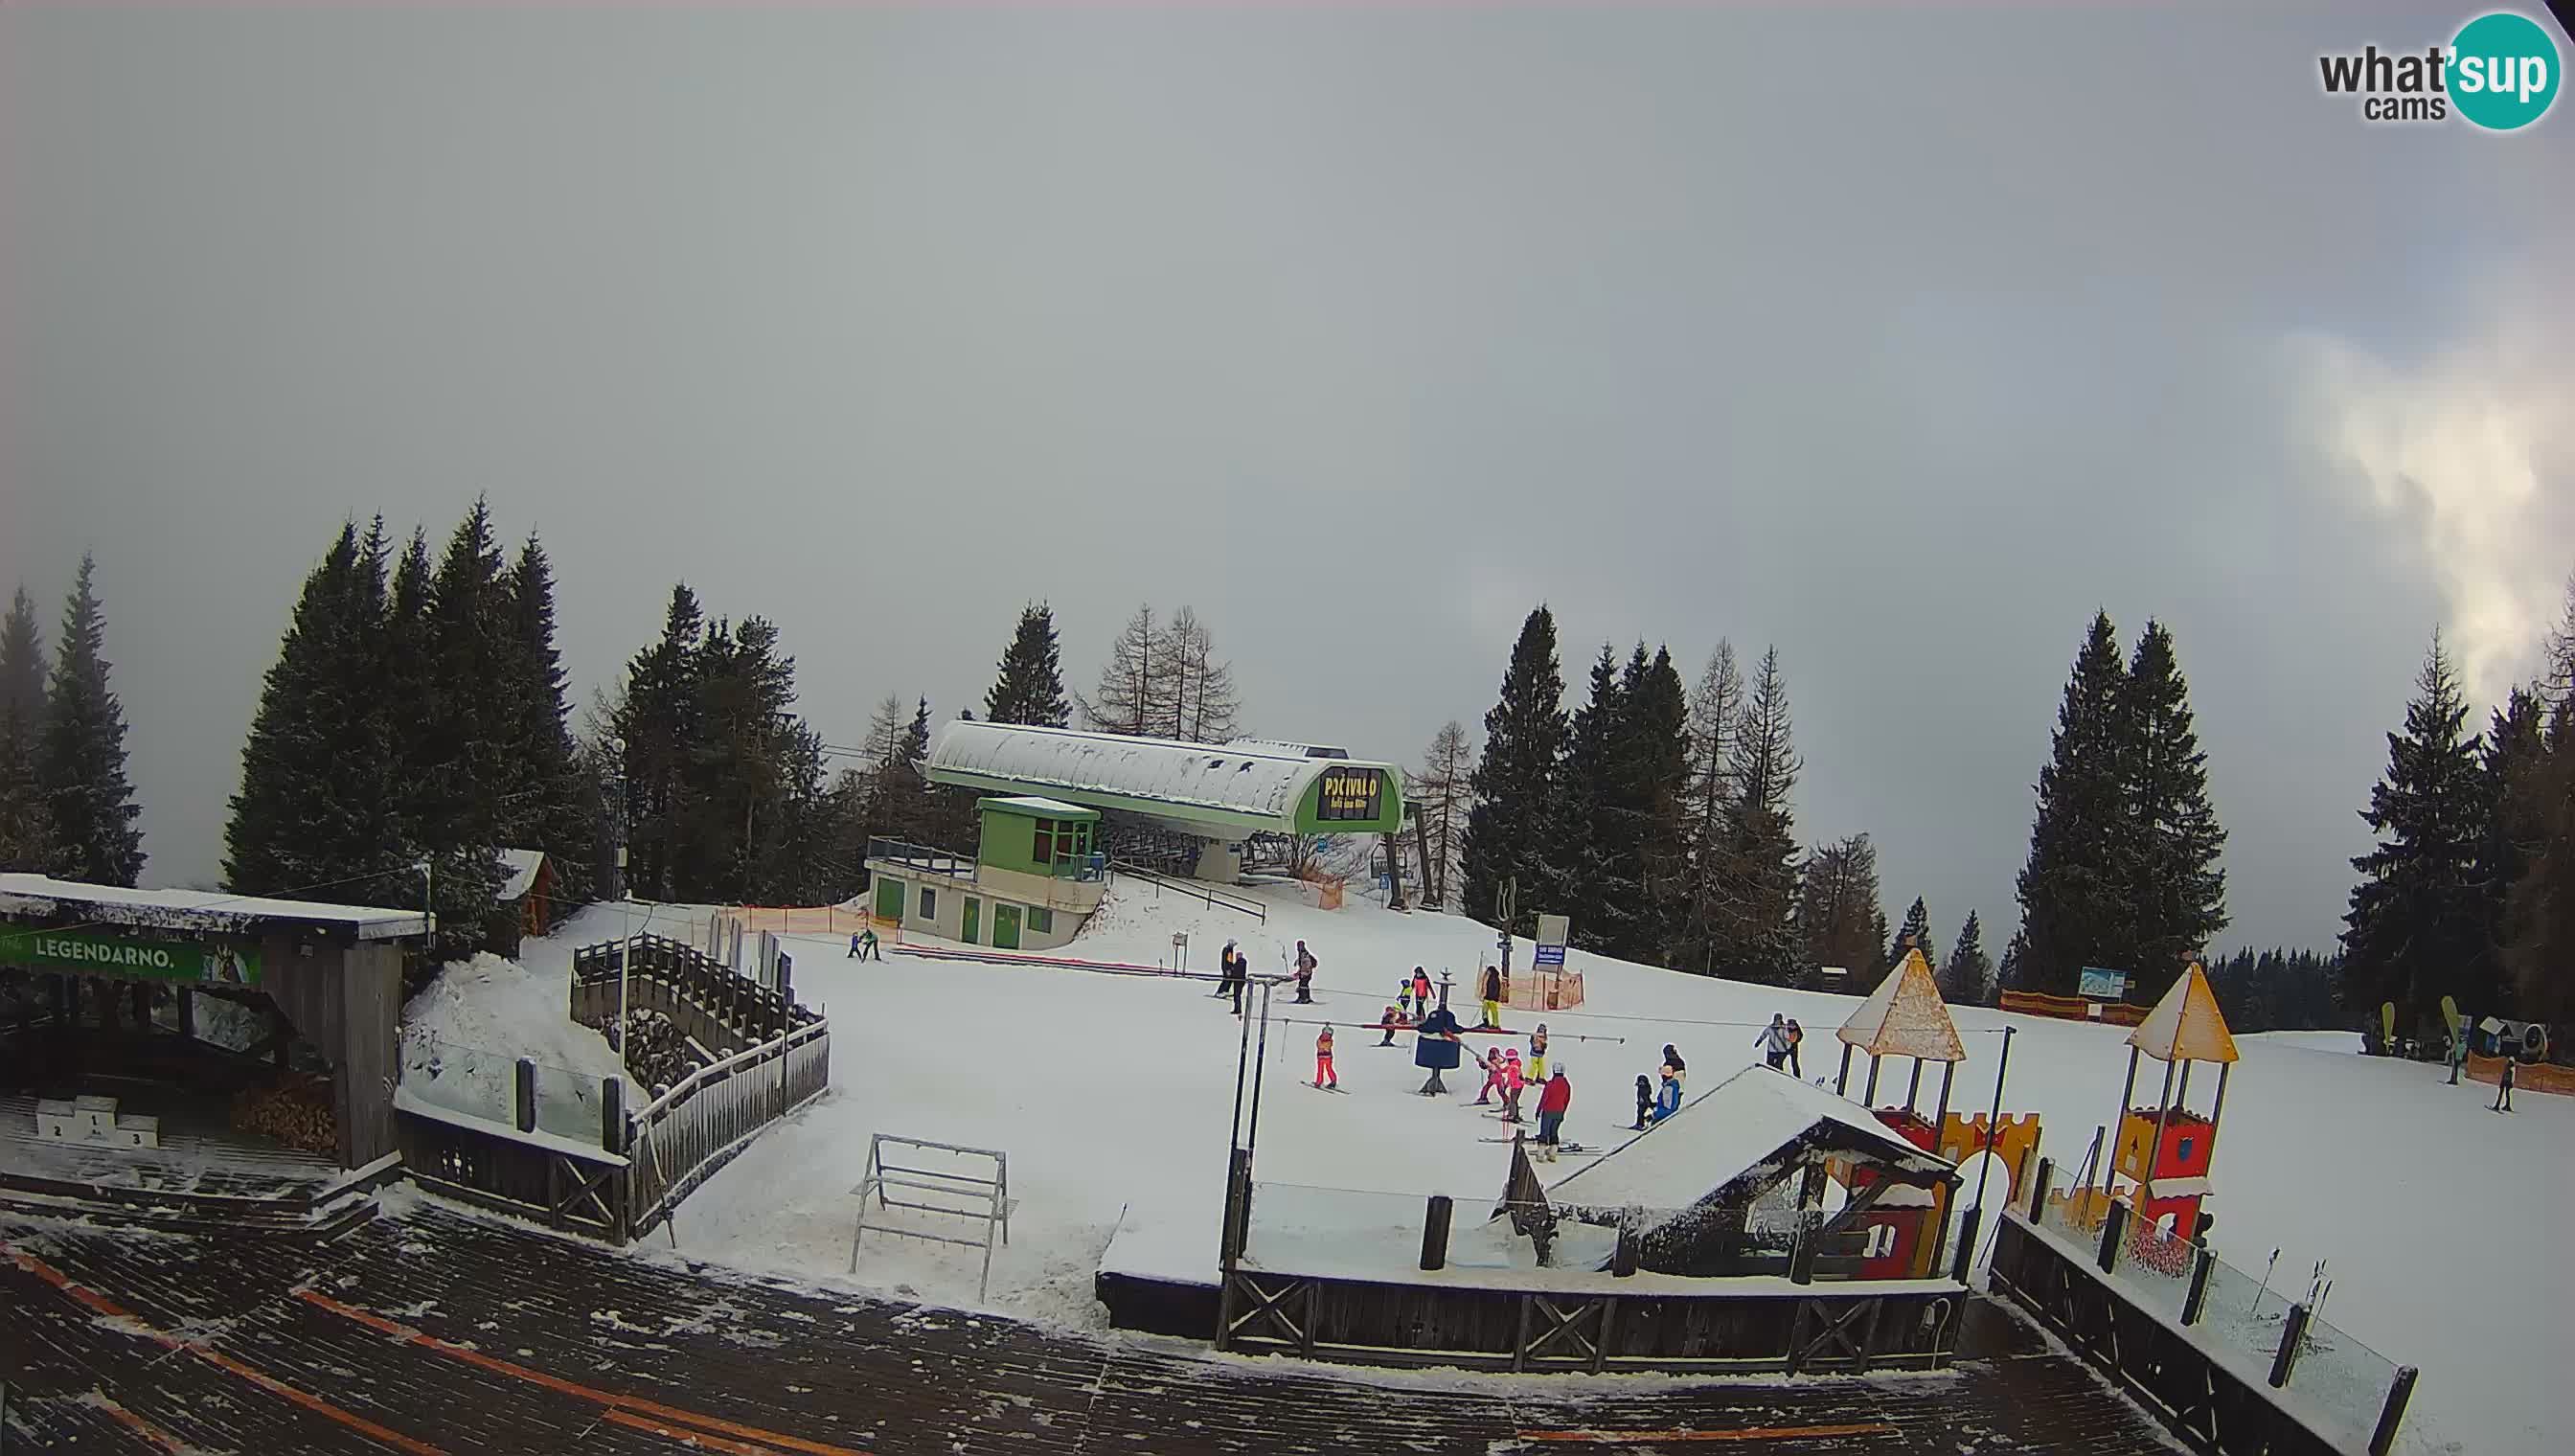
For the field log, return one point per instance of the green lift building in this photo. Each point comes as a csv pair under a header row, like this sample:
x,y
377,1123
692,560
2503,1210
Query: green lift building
x,y
1061,798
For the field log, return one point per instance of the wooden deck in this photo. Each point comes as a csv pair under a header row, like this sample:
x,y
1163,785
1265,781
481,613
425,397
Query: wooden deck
x,y
435,1332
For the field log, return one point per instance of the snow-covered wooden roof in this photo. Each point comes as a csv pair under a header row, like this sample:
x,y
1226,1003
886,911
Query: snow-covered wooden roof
x,y
1234,784
1744,1130
2187,1024
1906,1016
522,867
195,909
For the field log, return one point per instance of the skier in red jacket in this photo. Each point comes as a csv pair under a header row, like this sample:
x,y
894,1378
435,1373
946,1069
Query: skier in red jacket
x,y
1325,1077
1551,1104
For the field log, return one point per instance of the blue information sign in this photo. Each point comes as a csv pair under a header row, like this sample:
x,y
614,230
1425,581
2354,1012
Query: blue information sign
x,y
1550,956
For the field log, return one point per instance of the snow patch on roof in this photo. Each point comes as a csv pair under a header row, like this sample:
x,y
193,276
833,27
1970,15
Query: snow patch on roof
x,y
1732,1128
522,865
1906,1016
1227,777
192,910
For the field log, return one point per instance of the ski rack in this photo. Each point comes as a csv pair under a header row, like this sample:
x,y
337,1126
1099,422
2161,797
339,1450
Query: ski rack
x,y
975,1197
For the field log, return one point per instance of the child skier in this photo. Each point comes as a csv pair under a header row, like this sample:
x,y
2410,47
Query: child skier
x,y
1393,1017
1421,992
1304,975
1493,1067
1325,1077
1514,1078
1644,1099
1538,1053
1669,1100
1403,994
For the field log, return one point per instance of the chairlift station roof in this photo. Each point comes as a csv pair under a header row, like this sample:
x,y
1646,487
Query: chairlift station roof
x,y
1215,790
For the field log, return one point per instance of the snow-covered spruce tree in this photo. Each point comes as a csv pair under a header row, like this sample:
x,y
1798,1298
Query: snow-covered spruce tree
x,y
2418,922
1966,979
81,761
1028,687
2074,887
1514,782
2178,894
2540,906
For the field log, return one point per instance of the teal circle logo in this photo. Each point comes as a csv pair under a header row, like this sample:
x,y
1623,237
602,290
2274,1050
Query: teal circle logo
x,y
2503,71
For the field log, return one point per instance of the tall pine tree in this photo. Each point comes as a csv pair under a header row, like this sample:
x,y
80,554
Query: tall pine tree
x,y
1837,907
655,723
2075,886
26,828
2540,906
1514,783
316,802
81,759
1968,977
2420,916
1029,686
1649,783
556,808
1914,935
1583,859
1440,794
1755,934
2178,897
1715,711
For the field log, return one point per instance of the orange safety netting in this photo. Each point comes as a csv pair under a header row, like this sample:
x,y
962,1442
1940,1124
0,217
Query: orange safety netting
x,y
814,921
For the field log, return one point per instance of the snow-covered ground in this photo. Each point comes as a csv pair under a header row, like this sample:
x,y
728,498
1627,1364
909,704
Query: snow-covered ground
x,y
1112,1096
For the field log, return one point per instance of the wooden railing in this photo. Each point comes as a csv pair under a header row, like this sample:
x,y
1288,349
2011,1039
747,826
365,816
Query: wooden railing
x,y
706,999
775,1056
682,1137
2072,1009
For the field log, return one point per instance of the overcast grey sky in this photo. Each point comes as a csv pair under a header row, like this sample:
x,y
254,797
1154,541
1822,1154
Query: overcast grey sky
x,y
1900,340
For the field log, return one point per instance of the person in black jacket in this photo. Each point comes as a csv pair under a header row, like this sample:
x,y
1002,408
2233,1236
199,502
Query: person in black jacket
x,y
1493,996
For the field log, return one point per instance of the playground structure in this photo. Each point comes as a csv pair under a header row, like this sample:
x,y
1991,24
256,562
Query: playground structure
x,y
2164,1152
1905,1017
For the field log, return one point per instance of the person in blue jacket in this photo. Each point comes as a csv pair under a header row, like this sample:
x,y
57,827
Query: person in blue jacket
x,y
1436,1048
1669,1100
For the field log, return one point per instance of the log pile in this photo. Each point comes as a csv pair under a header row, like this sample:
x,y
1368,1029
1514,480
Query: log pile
x,y
657,1055
295,1109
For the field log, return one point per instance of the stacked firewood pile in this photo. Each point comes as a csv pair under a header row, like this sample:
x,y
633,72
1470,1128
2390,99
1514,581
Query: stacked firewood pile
x,y
295,1109
656,1053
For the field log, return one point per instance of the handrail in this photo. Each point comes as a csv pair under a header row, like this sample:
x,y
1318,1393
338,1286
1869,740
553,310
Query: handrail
x,y
1211,898
779,1045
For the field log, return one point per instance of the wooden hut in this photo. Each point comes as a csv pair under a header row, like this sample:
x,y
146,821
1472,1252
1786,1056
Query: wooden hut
x,y
1735,1183
526,903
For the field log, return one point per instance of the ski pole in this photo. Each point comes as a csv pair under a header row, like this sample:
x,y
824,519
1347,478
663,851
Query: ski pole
x,y
2266,1281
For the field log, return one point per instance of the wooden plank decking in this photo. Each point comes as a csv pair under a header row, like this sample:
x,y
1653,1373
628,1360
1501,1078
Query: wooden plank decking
x,y
435,1332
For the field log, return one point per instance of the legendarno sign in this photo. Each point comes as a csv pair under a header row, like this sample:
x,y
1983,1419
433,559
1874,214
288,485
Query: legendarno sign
x,y
119,955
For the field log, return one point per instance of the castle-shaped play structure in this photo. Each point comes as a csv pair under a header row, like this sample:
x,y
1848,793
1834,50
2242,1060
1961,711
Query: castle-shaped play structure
x,y
1905,1017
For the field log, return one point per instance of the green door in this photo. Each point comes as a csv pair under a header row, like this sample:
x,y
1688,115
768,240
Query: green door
x,y
974,907
1006,926
889,899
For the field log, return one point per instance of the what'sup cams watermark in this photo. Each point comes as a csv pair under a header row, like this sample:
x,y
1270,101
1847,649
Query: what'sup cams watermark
x,y
2499,73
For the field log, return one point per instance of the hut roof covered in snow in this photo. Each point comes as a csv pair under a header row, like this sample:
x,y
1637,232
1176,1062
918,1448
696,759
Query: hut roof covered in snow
x,y
2185,1025
520,866
1235,786
1906,1016
1736,1139
196,909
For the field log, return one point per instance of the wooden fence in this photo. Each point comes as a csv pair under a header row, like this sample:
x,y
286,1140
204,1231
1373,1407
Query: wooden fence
x,y
2074,1008
683,1136
776,1056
